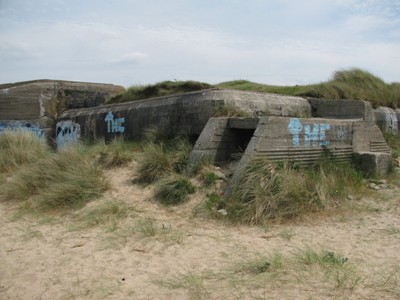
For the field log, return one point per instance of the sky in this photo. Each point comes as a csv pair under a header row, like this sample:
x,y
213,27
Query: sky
x,y
129,42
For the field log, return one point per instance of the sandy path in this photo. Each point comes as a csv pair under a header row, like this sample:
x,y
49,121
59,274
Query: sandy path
x,y
166,253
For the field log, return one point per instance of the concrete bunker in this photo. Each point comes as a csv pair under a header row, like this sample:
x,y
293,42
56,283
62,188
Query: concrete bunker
x,y
301,140
279,127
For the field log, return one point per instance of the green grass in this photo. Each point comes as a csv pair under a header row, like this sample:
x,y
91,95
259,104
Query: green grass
x,y
354,84
309,256
19,148
174,189
214,201
209,179
106,215
279,192
159,159
192,282
393,142
335,266
115,154
230,111
261,264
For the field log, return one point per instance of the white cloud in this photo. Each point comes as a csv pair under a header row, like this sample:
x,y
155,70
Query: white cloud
x,y
134,57
17,51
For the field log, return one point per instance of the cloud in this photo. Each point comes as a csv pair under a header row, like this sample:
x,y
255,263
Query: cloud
x,y
134,57
276,42
17,51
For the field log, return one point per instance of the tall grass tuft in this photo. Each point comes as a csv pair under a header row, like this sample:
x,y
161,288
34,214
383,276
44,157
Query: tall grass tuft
x,y
174,189
159,159
18,148
67,179
115,154
268,191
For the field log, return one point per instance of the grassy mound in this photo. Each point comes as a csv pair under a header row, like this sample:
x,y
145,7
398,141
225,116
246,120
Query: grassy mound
x,y
67,179
355,84
163,161
174,189
161,158
159,89
268,191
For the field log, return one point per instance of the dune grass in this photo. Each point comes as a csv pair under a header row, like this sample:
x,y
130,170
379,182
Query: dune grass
x,y
174,189
18,148
269,191
54,181
115,154
162,156
354,84
163,161
106,215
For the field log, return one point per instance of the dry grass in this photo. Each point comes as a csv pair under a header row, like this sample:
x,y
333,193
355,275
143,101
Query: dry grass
x,y
67,179
18,148
279,192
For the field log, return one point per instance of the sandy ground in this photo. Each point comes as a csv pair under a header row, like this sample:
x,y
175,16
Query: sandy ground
x,y
173,253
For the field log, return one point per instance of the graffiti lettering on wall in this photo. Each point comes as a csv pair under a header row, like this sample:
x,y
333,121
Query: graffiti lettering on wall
x,y
312,136
67,132
114,124
24,126
342,133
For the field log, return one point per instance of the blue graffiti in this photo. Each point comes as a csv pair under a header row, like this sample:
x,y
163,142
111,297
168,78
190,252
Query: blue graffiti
x,y
312,138
295,127
67,132
322,136
114,125
18,125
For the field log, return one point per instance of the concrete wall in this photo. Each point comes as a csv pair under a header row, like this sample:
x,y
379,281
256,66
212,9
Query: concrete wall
x,y
37,104
341,109
387,119
179,114
301,140
34,127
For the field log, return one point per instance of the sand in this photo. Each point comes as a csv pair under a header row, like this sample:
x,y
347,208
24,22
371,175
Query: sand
x,y
158,252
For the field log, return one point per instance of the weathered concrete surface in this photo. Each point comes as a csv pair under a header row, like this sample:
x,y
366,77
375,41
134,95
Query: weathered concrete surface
x,y
67,133
373,164
387,119
367,137
35,99
178,114
303,140
34,127
341,109
222,138
40,102
306,140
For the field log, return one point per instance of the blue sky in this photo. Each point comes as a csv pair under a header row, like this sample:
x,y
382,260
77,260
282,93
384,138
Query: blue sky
x,y
139,42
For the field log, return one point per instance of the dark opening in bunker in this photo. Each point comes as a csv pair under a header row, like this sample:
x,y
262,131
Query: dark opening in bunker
x,y
240,140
